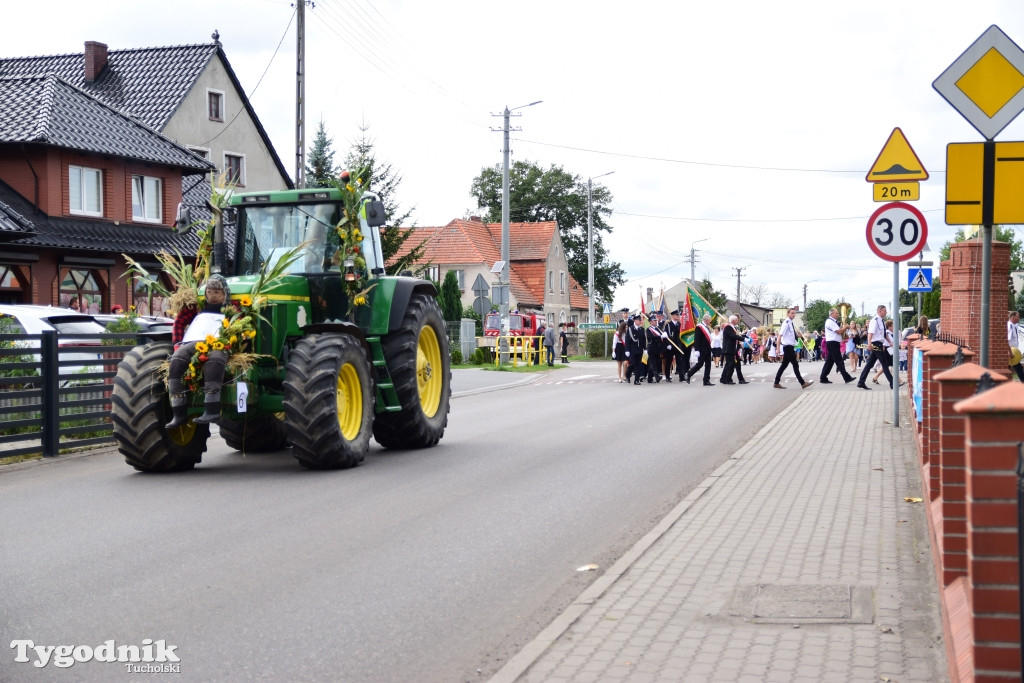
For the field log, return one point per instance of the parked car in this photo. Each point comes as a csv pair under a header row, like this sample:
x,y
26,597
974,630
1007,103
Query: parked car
x,y
28,319
146,323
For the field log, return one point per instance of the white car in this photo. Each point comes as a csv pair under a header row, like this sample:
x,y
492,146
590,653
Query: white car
x,y
28,319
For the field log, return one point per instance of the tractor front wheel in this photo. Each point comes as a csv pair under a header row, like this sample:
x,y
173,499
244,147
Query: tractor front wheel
x,y
328,401
140,409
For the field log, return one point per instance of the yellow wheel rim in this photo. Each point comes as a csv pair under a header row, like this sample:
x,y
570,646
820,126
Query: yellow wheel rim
x,y
428,371
183,435
350,402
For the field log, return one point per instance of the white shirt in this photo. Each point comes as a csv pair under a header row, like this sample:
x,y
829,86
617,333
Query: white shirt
x,y
1011,334
204,324
832,331
876,331
887,340
788,333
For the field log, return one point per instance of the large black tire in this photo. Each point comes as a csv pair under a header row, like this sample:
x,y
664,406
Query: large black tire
x,y
420,365
262,434
140,409
328,401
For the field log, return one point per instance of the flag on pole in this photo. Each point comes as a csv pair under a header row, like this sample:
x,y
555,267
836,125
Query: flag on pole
x,y
643,307
661,306
697,306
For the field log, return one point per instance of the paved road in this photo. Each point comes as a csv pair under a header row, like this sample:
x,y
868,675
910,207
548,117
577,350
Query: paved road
x,y
433,565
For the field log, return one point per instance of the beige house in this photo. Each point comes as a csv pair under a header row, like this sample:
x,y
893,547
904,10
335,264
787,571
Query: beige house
x,y
538,270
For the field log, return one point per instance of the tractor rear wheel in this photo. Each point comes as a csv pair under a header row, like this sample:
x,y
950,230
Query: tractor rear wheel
x,y
140,408
328,401
262,434
420,365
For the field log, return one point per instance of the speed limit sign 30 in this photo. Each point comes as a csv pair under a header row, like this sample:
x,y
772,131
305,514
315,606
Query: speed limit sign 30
x,y
897,231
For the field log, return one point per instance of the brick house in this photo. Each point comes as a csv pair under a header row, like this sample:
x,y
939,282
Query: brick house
x,y
538,270
87,139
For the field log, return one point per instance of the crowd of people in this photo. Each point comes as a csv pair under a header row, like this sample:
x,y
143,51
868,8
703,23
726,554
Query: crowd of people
x,y
647,348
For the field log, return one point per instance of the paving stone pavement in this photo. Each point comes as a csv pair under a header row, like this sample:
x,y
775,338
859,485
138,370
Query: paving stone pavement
x,y
814,501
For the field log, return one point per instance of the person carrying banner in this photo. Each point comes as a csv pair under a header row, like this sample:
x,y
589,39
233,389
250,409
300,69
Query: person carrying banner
x,y
702,339
636,344
833,343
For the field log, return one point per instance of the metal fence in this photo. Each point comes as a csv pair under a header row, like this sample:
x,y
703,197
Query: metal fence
x,y
55,391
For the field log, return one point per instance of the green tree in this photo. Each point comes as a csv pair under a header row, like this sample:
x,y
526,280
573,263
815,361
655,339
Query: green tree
x,y
384,180
450,298
1000,233
931,304
320,168
536,194
712,296
816,313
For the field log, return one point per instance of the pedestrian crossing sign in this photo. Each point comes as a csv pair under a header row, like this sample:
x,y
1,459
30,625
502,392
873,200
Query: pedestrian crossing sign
x,y
919,279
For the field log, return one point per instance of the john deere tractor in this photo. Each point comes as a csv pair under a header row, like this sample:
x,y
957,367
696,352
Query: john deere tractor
x,y
326,373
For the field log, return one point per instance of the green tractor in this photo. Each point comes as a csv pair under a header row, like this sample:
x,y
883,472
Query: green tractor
x,y
327,374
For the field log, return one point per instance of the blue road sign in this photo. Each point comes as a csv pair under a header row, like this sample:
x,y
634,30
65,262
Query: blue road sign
x,y
919,279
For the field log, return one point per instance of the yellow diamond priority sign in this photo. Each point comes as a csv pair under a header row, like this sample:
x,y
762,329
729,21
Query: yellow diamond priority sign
x,y
986,83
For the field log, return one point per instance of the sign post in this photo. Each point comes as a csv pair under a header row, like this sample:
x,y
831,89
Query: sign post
x,y
896,232
986,85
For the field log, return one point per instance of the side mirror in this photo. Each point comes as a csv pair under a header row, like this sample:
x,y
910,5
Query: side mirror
x,y
183,219
375,213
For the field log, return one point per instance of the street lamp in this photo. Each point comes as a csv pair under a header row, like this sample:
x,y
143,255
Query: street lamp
x,y
805,293
693,260
503,279
590,243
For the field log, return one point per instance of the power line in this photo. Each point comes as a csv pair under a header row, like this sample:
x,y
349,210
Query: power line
x,y
700,163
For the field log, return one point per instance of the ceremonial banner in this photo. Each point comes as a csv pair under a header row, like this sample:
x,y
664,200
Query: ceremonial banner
x,y
696,306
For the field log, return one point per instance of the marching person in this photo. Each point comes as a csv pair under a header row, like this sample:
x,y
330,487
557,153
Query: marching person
x,y
1013,340
731,339
563,339
619,350
673,354
655,342
702,340
206,322
833,343
787,336
876,341
888,346
636,344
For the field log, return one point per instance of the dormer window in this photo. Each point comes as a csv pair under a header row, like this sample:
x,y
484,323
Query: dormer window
x,y
215,104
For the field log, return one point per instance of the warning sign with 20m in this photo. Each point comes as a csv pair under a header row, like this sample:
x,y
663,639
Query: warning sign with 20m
x,y
897,231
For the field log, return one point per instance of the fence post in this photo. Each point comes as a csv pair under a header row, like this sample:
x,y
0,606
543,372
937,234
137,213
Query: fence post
x,y
50,406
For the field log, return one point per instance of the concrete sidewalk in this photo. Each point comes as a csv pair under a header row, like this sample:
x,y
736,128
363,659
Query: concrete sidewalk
x,y
797,560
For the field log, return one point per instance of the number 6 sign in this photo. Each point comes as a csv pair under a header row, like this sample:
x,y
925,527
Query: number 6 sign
x,y
897,231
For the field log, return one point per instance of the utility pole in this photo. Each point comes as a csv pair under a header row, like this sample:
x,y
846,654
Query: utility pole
x,y
503,277
739,273
590,245
693,260
300,93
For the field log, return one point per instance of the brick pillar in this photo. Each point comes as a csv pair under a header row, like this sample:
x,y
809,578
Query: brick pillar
x,y
961,318
946,295
955,385
994,427
938,357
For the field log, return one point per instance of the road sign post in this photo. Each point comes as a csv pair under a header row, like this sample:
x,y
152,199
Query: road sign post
x,y
986,85
896,232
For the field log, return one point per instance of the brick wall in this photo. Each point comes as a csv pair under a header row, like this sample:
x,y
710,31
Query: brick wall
x,y
961,314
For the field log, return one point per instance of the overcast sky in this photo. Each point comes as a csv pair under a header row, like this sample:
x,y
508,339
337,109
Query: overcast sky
x,y
745,124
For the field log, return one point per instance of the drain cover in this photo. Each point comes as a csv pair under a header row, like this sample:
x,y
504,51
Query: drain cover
x,y
810,604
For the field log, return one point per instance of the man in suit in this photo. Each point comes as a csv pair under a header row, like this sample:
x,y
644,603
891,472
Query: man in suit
x,y
702,340
731,339
655,344
672,346
636,344
833,340
787,334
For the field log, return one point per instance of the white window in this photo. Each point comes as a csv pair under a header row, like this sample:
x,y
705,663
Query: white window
x,y
147,199
434,273
85,190
203,152
234,164
460,275
551,280
561,280
215,104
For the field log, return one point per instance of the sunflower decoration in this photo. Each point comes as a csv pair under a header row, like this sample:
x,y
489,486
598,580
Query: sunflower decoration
x,y
350,255
237,328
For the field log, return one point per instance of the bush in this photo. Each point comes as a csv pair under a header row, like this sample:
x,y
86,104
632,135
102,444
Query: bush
x,y
595,343
456,356
481,355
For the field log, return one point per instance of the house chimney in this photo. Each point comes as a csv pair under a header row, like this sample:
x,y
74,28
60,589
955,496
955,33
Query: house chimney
x,y
476,219
95,59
